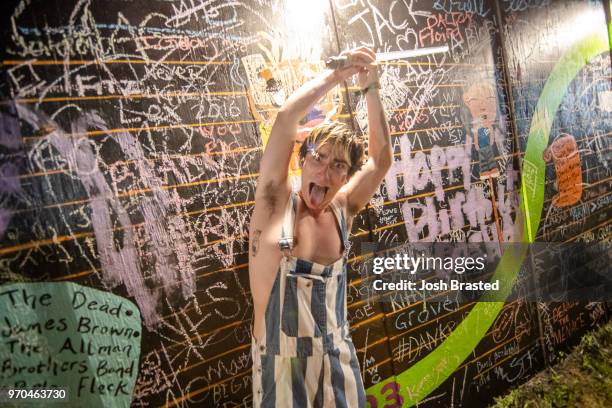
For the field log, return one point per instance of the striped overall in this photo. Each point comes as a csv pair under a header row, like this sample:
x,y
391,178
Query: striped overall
x,y
306,357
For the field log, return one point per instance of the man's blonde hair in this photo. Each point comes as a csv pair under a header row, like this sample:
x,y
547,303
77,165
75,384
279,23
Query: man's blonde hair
x,y
342,140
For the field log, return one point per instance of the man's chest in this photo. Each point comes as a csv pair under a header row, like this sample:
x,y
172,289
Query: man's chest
x,y
318,239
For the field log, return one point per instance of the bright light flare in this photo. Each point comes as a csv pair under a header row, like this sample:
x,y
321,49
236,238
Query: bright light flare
x,y
305,25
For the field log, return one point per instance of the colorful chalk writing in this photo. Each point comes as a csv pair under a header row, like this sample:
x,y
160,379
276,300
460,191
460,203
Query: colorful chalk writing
x,y
131,134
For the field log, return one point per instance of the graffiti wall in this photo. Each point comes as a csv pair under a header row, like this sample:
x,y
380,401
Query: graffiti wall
x,y
130,138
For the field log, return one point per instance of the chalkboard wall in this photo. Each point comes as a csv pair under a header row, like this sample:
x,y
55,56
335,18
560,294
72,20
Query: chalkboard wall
x,y
130,141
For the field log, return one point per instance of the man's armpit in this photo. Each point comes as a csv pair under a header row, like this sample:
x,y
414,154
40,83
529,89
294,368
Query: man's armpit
x,y
353,209
343,201
270,197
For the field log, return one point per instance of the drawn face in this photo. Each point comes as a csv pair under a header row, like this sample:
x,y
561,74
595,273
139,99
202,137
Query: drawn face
x,y
482,102
324,172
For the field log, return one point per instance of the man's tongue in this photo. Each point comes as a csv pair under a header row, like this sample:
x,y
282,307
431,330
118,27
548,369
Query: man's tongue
x,y
317,194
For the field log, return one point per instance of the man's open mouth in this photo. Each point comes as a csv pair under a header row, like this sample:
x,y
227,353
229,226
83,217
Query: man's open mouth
x,y
317,193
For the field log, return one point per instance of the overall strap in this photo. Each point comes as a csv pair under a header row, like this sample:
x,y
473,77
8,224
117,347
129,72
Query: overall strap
x,y
340,216
285,243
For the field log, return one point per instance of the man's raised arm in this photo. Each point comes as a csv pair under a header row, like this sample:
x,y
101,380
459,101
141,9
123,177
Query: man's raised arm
x,y
362,186
273,171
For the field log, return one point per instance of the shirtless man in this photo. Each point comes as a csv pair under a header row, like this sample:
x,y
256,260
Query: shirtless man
x,y
302,351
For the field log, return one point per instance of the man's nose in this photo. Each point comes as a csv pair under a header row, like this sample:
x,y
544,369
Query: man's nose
x,y
324,169
328,171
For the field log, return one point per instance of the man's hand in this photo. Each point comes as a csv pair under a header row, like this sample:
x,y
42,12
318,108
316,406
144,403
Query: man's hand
x,y
361,61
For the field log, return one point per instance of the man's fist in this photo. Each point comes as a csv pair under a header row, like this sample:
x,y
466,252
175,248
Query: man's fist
x,y
360,61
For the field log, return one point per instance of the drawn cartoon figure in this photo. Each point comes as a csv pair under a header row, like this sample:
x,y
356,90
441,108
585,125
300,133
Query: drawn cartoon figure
x,y
481,99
